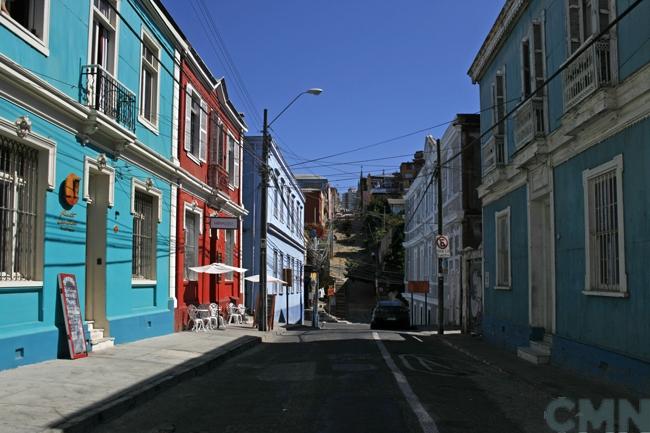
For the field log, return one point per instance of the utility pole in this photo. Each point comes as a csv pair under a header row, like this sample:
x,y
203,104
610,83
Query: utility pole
x,y
441,281
264,168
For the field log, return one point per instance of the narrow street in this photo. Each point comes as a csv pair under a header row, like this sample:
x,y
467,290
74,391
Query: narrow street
x,y
335,380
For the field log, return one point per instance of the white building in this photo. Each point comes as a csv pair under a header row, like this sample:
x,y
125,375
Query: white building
x,y
461,220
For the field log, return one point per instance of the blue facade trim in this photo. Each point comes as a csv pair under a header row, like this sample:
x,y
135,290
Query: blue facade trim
x,y
144,325
505,333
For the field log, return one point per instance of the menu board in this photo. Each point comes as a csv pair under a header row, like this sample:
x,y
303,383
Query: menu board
x,y
72,315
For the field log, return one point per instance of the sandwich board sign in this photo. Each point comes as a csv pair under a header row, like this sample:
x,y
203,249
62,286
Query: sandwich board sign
x,y
74,325
442,247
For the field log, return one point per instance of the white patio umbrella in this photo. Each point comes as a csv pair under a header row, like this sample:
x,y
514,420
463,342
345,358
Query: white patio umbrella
x,y
229,268
256,279
209,269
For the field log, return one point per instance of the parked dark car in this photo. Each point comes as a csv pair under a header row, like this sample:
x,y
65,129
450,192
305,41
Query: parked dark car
x,y
390,314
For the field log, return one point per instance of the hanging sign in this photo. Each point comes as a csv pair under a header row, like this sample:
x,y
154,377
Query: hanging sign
x,y
72,315
224,223
418,286
442,246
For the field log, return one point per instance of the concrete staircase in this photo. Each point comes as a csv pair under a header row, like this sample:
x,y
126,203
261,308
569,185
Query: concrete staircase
x,y
97,340
537,352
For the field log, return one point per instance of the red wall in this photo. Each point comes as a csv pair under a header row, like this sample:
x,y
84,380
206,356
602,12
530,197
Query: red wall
x,y
208,288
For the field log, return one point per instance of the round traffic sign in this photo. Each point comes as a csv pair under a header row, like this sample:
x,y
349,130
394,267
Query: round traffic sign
x,y
442,242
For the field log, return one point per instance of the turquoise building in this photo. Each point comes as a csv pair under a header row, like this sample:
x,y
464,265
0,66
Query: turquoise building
x,y
87,134
564,188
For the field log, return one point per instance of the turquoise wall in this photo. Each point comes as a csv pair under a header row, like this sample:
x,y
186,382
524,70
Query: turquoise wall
x,y
506,311
633,38
618,324
31,324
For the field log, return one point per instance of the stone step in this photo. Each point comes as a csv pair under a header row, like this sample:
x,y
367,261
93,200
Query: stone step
x,y
548,338
96,334
531,355
90,325
541,347
102,344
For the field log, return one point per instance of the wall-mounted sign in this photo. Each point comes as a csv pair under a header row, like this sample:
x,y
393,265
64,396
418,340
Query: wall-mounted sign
x,y
71,186
418,286
72,314
331,291
442,246
224,223
67,221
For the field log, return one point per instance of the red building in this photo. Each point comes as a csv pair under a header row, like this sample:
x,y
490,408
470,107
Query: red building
x,y
210,137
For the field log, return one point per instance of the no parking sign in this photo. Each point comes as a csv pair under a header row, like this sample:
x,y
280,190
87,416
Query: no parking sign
x,y
442,246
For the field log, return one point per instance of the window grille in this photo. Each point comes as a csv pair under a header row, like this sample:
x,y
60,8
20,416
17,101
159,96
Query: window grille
x,y
144,229
18,210
604,257
230,251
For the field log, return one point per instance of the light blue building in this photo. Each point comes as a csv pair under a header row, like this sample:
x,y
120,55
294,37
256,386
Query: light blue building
x,y
564,189
86,109
285,222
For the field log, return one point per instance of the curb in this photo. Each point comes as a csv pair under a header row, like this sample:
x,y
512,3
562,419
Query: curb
x,y
120,403
474,357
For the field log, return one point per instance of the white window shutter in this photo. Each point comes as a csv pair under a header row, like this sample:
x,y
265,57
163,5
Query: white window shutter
x,y
236,168
203,141
187,144
573,26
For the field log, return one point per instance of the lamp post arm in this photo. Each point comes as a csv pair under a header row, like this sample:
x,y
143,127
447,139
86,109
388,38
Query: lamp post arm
x,y
285,108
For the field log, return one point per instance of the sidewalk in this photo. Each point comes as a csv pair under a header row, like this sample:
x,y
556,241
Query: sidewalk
x,y
551,380
64,395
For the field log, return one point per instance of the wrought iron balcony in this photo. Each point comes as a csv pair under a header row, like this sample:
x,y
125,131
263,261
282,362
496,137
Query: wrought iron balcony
x,y
587,72
218,177
101,92
493,153
529,122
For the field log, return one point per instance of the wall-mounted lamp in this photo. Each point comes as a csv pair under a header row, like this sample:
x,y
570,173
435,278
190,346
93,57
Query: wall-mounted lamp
x,y
148,184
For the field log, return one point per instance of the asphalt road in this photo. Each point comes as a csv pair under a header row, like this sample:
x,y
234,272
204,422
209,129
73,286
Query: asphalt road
x,y
337,380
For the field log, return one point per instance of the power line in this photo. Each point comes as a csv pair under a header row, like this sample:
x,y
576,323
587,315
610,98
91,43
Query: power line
x,y
525,99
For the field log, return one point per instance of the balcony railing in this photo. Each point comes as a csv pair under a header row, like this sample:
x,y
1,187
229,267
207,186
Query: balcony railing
x,y
587,72
101,92
493,153
529,122
218,177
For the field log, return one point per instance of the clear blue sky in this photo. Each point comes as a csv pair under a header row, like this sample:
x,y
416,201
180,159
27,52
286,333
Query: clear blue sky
x,y
387,69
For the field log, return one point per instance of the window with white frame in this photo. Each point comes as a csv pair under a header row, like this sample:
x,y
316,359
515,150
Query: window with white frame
x,y
149,80
196,125
604,233
233,162
27,18
19,200
230,252
502,233
275,198
192,234
275,269
143,258
532,61
499,103
279,200
292,283
103,43
584,19
281,266
300,280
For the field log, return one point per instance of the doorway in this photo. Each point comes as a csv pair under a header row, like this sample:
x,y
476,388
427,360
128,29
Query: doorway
x,y
541,279
97,202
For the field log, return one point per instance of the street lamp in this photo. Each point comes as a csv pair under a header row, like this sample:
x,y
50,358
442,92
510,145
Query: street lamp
x,y
263,320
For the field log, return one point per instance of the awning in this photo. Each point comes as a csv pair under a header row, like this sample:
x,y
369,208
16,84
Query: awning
x,y
256,279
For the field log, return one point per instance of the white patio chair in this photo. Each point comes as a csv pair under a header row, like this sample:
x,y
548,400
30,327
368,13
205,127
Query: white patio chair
x,y
197,322
215,317
242,311
233,313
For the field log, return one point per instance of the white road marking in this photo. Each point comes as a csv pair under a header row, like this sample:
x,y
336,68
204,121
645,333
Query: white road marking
x,y
426,422
420,340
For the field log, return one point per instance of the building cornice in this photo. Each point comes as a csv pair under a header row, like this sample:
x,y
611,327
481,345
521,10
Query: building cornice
x,y
501,28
